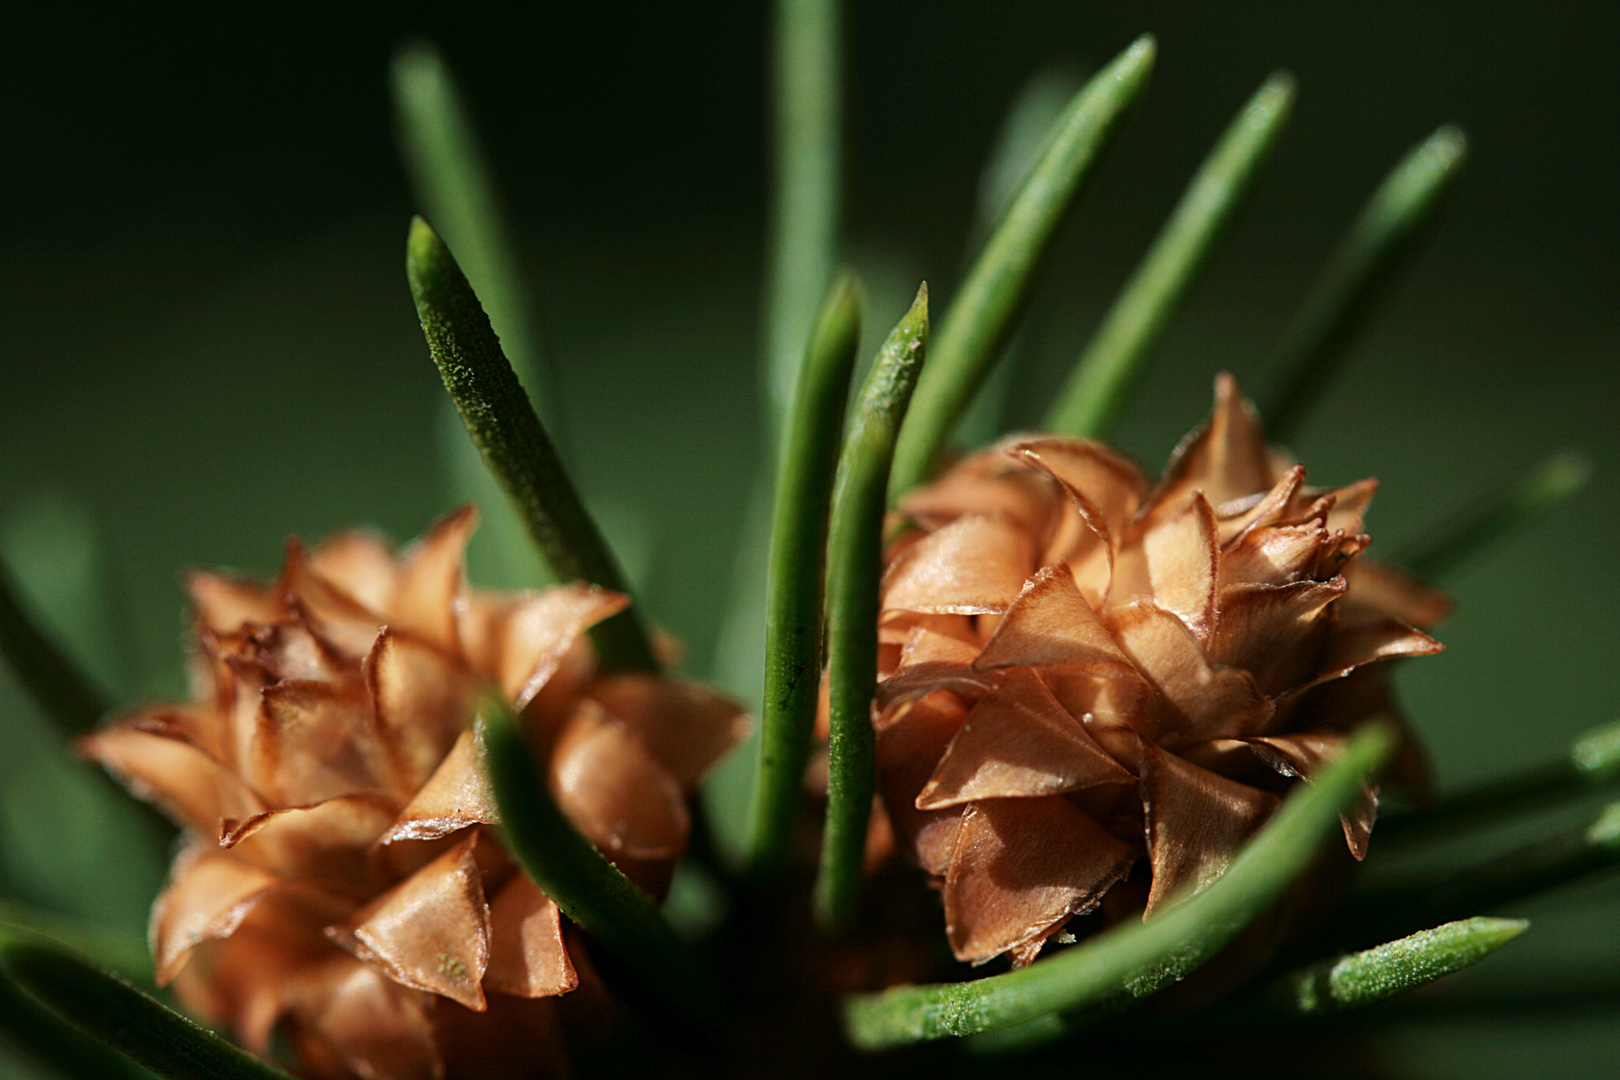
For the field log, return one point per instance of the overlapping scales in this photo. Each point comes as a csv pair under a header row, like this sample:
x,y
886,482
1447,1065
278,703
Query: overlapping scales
x,y
1084,673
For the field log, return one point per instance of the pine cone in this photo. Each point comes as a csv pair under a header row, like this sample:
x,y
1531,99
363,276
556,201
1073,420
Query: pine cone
x,y
1080,671
337,883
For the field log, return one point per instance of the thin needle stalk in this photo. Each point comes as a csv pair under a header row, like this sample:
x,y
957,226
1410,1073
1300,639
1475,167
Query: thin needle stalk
x,y
515,447
793,623
1100,387
1385,232
986,307
854,569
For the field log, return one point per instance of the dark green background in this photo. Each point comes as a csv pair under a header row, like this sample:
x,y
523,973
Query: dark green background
x,y
206,342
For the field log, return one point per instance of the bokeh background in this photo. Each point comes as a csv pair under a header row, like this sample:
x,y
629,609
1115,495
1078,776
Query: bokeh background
x,y
207,344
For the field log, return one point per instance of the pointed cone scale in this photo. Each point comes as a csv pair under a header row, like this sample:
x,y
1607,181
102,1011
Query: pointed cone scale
x,y
1109,482
685,726
1301,755
1226,458
1275,555
360,559
160,764
368,1024
426,599
1172,562
431,931
223,603
526,955
1206,699
523,641
209,893
420,703
1021,867
910,739
314,741
612,787
455,797
327,843
989,484
1236,519
1051,625
975,565
1018,742
1389,592
1196,822
1274,631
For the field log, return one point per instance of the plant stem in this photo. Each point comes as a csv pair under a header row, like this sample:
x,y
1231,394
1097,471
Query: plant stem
x,y
503,424
793,644
1024,133
986,307
452,178
1534,868
589,889
1136,959
854,568
804,214
1381,972
1593,760
63,690
124,953
1518,500
1100,387
110,1009
1385,232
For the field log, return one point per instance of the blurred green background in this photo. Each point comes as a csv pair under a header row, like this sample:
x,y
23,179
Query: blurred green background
x,y
207,343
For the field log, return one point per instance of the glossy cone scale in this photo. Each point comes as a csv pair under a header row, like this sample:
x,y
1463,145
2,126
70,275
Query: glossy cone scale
x,y
1084,671
338,882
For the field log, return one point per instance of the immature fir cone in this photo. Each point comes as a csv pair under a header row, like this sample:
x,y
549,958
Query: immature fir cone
x,y
1080,670
337,884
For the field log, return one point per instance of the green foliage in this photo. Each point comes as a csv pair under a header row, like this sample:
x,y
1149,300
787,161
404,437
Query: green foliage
x,y
1389,969
804,206
64,988
1397,215
516,449
982,315
854,565
62,689
1522,498
1101,385
793,624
